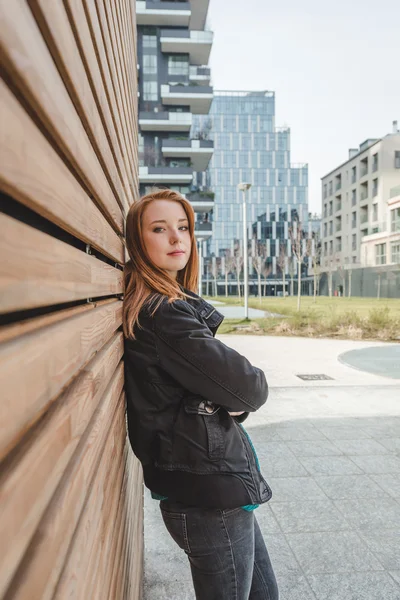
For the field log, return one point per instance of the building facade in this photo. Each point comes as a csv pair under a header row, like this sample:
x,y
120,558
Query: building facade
x,y
249,148
359,205
174,84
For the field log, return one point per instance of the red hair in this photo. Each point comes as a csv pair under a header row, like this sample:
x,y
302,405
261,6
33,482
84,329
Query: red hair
x,y
144,281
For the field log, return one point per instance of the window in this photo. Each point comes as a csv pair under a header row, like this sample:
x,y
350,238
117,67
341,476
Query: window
x,y
380,254
331,247
395,252
325,248
325,210
325,229
354,241
149,41
353,197
374,212
395,219
375,162
150,90
149,64
364,166
397,159
330,227
330,188
354,219
353,174
330,208
375,187
178,65
325,190
339,244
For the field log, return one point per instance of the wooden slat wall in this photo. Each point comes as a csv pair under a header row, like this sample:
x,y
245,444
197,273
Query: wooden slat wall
x,y
71,519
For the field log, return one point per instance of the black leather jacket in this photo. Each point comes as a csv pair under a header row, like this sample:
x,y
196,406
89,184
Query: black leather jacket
x,y
180,383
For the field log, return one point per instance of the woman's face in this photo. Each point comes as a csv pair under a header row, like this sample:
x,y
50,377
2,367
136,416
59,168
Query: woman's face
x,y
166,235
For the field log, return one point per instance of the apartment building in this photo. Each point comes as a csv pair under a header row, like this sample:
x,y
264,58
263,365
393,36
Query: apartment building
x,y
174,46
357,201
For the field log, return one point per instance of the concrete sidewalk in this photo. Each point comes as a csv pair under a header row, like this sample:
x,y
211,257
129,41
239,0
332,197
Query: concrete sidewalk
x,y
331,453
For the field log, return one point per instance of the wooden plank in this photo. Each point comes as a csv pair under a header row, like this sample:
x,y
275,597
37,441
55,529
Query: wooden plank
x,y
37,269
43,562
85,572
55,25
115,72
30,66
117,37
129,55
30,479
108,78
100,89
33,173
14,330
51,358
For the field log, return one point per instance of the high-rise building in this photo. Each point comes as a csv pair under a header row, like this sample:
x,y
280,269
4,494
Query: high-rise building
x,y
249,148
360,206
174,84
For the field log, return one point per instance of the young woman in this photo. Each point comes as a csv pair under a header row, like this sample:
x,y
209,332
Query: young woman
x,y
187,394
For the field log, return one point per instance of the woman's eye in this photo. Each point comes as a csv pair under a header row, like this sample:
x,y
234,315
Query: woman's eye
x,y
184,227
158,229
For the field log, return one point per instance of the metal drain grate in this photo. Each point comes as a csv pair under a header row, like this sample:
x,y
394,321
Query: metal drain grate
x,y
314,377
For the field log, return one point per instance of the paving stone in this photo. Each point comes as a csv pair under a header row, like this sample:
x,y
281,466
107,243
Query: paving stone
x,y
294,587
338,487
281,555
389,482
372,513
361,447
343,433
314,448
385,544
392,444
332,552
300,433
396,576
272,466
318,515
273,449
330,465
287,489
354,586
266,519
387,463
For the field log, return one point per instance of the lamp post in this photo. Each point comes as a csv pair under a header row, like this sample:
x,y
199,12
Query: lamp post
x,y
200,253
244,187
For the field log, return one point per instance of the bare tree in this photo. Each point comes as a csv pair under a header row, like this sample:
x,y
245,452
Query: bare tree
x,y
291,273
349,277
330,268
238,266
316,266
214,273
266,270
281,261
258,261
342,275
229,267
300,248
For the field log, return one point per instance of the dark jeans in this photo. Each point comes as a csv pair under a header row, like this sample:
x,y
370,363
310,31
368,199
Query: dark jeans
x,y
227,554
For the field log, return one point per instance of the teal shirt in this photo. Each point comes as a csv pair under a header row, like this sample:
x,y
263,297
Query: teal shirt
x,y
247,507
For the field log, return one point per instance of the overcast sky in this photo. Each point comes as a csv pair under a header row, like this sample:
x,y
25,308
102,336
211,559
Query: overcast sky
x,y
334,66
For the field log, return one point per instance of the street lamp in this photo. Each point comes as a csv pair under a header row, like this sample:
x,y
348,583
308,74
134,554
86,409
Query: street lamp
x,y
200,253
244,187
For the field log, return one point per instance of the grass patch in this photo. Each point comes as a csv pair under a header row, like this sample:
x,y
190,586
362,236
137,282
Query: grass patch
x,y
343,318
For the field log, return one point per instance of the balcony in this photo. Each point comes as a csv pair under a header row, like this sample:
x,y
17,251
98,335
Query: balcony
x,y
199,14
363,218
201,201
163,14
199,151
364,195
198,97
203,230
197,44
165,121
200,75
166,175
363,170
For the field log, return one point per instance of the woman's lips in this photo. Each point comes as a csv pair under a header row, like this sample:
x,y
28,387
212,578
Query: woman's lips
x,y
178,253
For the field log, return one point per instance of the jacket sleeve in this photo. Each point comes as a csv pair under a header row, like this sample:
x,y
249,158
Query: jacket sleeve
x,y
204,365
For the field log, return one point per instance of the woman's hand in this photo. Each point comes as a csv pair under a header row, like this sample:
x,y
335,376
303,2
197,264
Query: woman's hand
x,y
236,414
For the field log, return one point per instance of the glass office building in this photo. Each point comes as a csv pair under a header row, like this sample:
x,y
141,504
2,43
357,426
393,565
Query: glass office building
x,y
249,148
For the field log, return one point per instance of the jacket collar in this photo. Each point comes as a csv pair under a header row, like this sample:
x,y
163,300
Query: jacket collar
x,y
206,311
